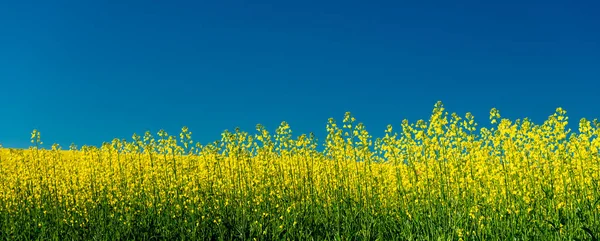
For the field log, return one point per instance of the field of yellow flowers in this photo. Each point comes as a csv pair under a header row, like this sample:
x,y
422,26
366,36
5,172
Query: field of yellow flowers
x,y
440,179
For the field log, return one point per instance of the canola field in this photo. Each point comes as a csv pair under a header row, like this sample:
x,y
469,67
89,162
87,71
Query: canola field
x,y
443,178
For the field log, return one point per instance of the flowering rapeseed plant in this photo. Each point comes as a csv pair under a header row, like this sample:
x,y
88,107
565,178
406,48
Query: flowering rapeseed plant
x,y
442,178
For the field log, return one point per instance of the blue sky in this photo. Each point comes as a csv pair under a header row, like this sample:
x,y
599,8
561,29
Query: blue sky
x,y
89,71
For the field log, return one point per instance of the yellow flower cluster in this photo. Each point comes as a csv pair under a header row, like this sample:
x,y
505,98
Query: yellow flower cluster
x,y
484,177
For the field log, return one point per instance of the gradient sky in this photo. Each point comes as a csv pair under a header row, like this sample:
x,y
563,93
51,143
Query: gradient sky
x,y
89,71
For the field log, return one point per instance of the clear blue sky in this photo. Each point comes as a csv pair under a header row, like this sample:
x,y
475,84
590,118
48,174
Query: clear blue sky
x,y
89,71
